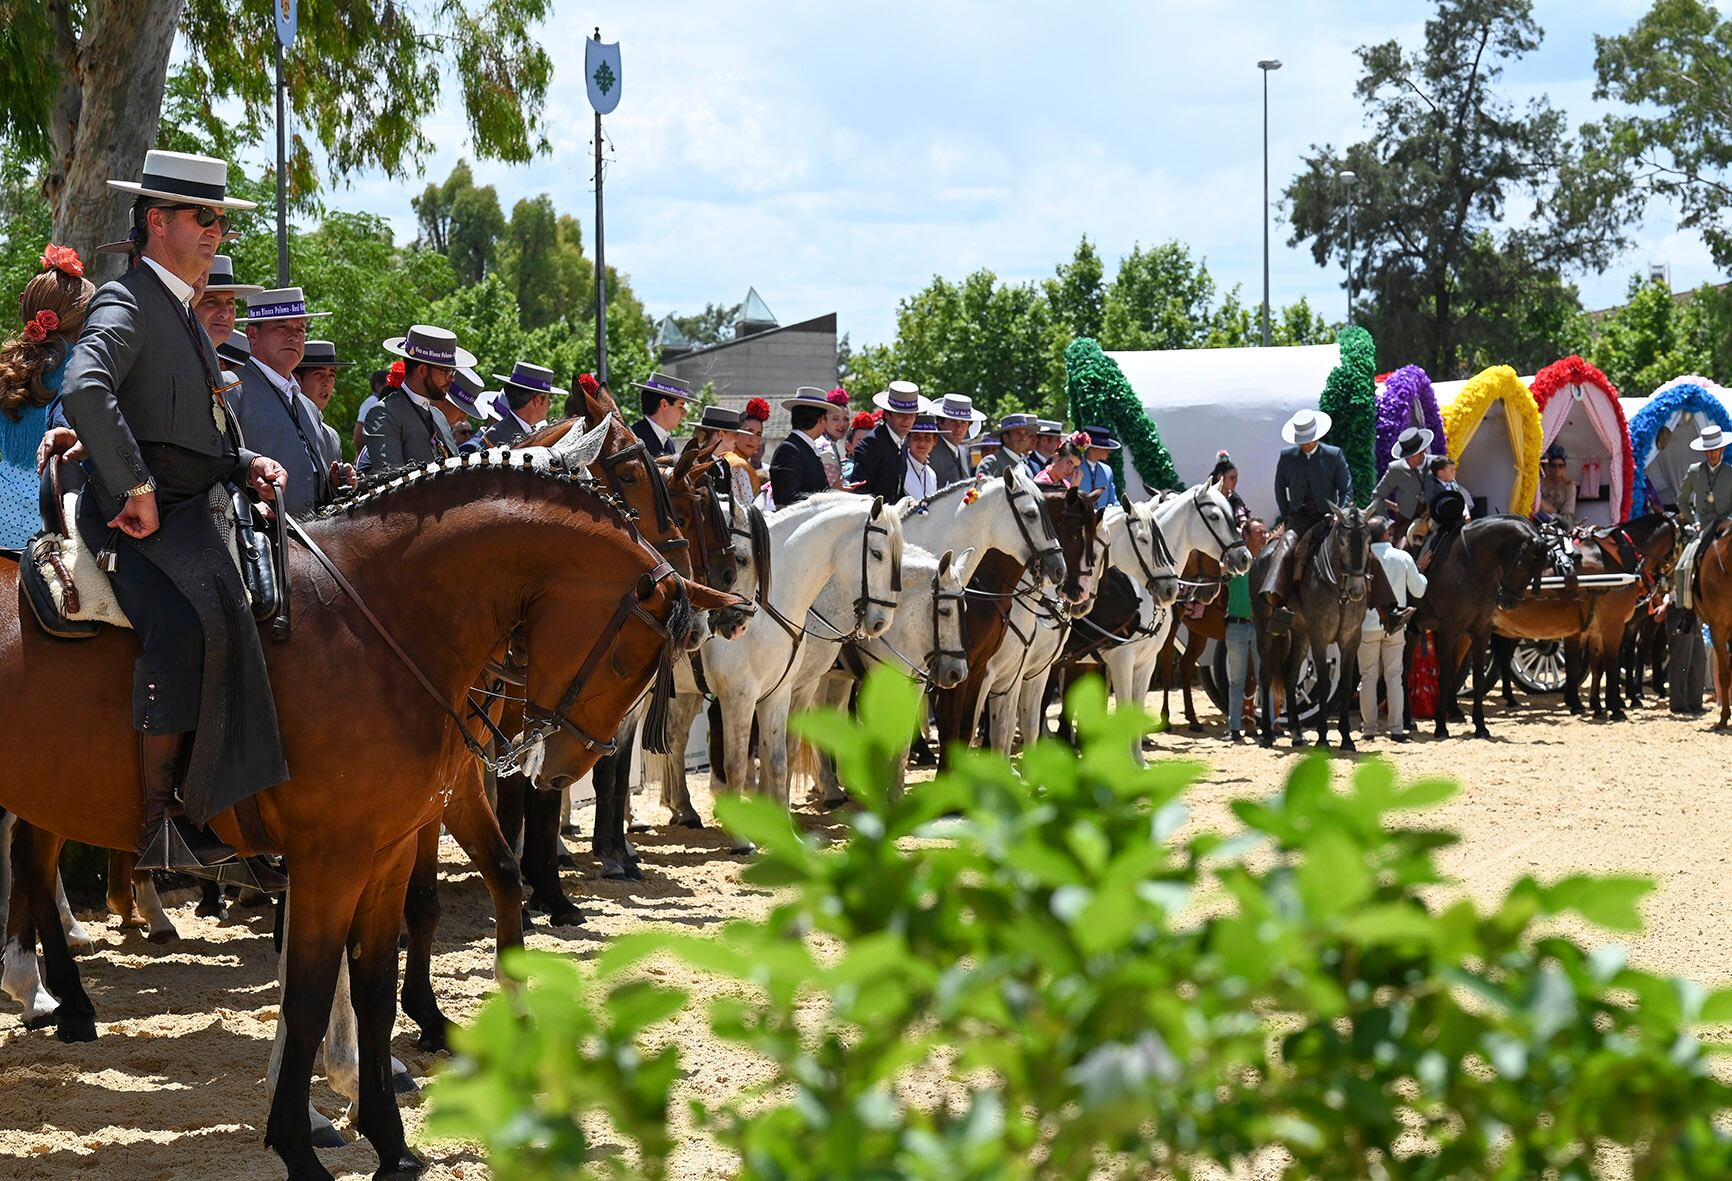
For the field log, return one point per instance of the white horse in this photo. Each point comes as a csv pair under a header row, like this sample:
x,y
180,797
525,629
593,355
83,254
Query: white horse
x,y
1197,520
924,641
1005,513
832,534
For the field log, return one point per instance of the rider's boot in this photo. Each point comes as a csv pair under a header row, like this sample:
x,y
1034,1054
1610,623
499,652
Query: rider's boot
x,y
168,840
1280,615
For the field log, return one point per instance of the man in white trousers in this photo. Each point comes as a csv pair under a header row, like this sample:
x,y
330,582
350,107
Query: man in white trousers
x,y
1380,649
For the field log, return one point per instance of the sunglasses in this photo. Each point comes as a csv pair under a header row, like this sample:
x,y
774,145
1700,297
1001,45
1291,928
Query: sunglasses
x,y
206,215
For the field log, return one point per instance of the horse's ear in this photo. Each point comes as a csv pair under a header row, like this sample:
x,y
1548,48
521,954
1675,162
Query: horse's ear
x,y
688,456
1091,497
577,448
705,598
877,507
944,563
962,560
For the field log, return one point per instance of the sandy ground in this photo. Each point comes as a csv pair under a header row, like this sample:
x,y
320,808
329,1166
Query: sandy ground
x,y
173,1087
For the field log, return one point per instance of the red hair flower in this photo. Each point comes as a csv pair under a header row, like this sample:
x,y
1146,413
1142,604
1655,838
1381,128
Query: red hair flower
x,y
34,331
62,258
864,421
1082,439
837,397
758,408
588,384
394,377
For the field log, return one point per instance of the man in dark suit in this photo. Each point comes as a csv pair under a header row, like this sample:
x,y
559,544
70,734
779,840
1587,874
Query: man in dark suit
x,y
406,427
317,374
144,393
275,415
879,464
1401,493
1048,438
796,469
665,401
529,392
957,422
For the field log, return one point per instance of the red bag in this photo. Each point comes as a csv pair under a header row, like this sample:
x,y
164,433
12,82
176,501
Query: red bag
x,y
1422,677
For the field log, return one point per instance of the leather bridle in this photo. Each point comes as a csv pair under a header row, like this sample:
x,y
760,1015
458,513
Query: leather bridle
x,y
866,601
958,599
1016,492
512,751
658,490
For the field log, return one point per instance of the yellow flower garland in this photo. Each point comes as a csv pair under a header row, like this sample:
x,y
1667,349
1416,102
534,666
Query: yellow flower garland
x,y
1461,418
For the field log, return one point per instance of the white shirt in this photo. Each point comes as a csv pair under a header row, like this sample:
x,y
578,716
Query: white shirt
x,y
177,286
424,403
288,387
820,442
1404,577
919,480
655,428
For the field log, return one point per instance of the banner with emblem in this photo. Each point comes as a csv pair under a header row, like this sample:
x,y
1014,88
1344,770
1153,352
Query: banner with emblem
x,y
601,75
285,10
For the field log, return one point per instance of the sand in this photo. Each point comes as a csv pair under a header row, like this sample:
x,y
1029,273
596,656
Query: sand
x,y
173,1086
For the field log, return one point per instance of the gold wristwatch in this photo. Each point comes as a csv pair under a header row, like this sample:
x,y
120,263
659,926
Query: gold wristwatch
x,y
147,486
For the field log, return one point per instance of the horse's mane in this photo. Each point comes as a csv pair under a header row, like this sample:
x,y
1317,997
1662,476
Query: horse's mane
x,y
466,468
826,499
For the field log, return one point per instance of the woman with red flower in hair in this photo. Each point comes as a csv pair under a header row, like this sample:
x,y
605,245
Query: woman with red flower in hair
x,y
32,362
746,478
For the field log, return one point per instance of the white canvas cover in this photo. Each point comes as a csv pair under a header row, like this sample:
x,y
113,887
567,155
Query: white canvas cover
x,y
1580,419
1488,461
1207,400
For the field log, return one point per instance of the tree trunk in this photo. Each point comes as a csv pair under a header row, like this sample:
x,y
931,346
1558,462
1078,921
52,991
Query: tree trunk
x,y
107,117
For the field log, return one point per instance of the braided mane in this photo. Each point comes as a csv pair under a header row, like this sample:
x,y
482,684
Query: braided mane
x,y
531,465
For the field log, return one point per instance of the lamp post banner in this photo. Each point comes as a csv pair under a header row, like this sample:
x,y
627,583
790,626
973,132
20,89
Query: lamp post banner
x,y
285,13
601,75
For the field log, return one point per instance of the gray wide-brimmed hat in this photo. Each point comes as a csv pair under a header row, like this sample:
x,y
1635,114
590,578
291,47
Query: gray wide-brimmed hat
x,y
958,408
321,354
672,387
469,395
237,349
278,303
222,276
536,379
720,418
1712,438
900,397
185,179
1413,441
1018,422
429,345
1051,429
810,395
1307,426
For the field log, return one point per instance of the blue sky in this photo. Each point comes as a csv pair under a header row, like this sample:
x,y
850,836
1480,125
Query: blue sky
x,y
837,156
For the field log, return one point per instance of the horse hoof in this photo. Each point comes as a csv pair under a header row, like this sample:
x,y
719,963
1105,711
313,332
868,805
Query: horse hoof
x,y
567,861
72,1030
742,848
403,1083
633,873
326,1136
528,919
569,916
1301,743
407,1165
1620,716
1266,741
40,1020
211,909
166,936
692,821
431,1042
1347,745
1482,733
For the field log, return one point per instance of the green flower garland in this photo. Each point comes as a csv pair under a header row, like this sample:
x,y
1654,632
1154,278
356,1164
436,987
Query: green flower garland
x,y
1350,399
1100,396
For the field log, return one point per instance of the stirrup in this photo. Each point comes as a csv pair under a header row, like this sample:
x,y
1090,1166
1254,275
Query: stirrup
x,y
167,850
1281,621
251,873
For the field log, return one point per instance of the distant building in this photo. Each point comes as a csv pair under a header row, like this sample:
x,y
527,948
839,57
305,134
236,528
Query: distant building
x,y
764,358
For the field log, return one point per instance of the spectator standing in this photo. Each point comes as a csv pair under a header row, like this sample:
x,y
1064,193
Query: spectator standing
x,y
1380,648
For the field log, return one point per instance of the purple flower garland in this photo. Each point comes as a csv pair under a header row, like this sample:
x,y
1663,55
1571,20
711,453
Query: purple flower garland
x,y
1406,386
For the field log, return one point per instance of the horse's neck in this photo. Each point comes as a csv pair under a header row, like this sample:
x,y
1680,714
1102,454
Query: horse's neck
x,y
953,525
998,572
911,627
809,558
1182,543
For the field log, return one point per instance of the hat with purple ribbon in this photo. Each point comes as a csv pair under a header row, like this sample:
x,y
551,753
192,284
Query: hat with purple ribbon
x,y
1018,422
672,387
925,423
1051,429
468,395
903,397
809,395
537,379
958,408
279,303
426,345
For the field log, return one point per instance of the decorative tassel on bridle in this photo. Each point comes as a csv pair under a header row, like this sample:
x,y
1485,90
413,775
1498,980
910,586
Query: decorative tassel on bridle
x,y
655,723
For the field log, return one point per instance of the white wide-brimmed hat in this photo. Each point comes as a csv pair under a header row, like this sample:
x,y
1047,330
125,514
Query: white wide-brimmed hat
x,y
1413,441
279,303
902,397
428,345
958,408
1712,438
184,178
1307,426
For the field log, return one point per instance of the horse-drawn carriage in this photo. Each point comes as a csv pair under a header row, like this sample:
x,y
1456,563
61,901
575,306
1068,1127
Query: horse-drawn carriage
x,y
1580,412
1661,428
1494,436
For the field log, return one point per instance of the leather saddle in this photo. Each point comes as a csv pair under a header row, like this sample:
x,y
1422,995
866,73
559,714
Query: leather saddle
x,y
67,588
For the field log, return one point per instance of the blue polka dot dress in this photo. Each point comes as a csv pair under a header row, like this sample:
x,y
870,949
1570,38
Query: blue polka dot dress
x,y
19,515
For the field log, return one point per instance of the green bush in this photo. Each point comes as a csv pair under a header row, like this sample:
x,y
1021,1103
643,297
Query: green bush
x,y
1100,395
1082,988
1350,398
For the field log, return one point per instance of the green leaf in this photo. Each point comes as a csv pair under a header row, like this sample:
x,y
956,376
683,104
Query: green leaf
x,y
1609,901
1333,877
1390,923
1425,793
638,1004
1717,1008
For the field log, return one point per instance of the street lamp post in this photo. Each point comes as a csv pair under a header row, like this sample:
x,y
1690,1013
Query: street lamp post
x,y
1349,179
1266,65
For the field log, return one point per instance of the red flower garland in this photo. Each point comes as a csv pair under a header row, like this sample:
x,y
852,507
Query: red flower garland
x,y
394,377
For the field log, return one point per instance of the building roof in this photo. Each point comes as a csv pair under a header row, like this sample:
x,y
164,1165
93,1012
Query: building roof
x,y
669,336
755,311
825,323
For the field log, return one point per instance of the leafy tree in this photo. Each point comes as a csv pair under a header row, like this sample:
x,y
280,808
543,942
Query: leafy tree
x,y
1083,986
1161,298
1077,293
1448,155
1298,324
1673,70
82,86
1658,335
24,229
462,222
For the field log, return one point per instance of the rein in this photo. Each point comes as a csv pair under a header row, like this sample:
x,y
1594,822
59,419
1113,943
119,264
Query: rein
x,y
938,651
511,758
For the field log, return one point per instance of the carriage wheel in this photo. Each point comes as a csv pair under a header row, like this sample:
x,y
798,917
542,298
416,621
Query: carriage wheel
x,y
1214,672
1538,665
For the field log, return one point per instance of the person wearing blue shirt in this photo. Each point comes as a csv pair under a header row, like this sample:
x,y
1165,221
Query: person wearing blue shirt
x,y
1096,473
32,364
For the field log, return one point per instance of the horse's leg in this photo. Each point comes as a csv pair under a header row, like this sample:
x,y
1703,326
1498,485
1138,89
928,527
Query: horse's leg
x,y
162,928
1611,651
323,909
421,914
77,938
20,974
737,721
122,894
211,903
1448,660
1572,675
1723,674
473,826
541,849
1344,691
1476,653
373,977
1193,652
36,866
1266,687
773,745
687,706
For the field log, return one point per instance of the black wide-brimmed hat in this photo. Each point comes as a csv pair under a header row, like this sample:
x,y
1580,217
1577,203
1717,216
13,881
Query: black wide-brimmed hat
x,y
237,349
720,418
430,346
184,178
1413,441
321,354
536,379
1100,436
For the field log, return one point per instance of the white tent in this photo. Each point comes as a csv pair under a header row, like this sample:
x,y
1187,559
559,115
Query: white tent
x,y
1208,400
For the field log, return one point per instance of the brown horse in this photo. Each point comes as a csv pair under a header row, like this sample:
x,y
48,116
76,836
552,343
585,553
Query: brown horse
x,y
1714,607
372,749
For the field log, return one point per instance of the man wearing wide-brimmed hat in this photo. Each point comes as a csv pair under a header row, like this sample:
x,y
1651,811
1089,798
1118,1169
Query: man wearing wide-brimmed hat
x,y
275,413
1048,438
405,428
1706,493
143,390
215,303
665,401
797,467
879,467
1401,492
529,392
317,374
958,420
1311,477
1015,438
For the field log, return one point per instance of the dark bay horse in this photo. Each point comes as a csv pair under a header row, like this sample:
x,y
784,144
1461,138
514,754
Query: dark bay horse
x,y
1491,563
372,748
1714,607
1328,607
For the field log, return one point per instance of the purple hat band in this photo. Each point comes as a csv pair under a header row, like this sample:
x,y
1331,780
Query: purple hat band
x,y
903,405
275,311
417,350
658,387
531,381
